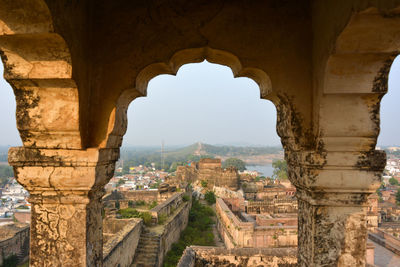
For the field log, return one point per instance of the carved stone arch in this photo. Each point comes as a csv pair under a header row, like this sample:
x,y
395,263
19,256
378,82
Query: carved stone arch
x,y
37,64
356,76
335,179
287,122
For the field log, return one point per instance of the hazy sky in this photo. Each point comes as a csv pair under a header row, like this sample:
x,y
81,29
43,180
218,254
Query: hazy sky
x,y
205,103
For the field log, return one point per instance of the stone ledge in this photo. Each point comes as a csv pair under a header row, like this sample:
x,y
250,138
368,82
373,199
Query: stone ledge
x,y
23,156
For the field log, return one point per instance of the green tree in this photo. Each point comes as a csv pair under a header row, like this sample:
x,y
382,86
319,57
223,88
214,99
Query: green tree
x,y
280,170
6,171
393,181
120,182
234,162
398,195
175,165
210,197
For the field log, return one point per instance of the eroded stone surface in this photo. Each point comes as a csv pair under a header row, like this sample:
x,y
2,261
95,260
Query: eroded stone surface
x,y
76,66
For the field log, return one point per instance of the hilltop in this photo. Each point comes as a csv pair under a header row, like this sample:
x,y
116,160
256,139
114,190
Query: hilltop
x,y
251,155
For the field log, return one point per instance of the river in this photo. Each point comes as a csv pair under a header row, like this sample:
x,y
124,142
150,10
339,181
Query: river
x,y
265,170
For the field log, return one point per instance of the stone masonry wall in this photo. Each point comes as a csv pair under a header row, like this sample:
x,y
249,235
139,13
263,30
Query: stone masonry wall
x,y
167,207
239,257
18,244
236,233
173,229
121,241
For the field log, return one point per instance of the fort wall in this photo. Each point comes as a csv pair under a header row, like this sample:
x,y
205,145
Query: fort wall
x,y
173,229
236,233
386,240
121,238
16,243
243,257
167,207
209,170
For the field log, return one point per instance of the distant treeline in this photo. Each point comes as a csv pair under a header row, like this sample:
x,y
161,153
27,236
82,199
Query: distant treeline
x,y
139,156
4,153
391,152
233,151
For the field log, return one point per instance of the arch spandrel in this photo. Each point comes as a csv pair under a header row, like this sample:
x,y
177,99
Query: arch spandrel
x,y
290,125
356,76
38,66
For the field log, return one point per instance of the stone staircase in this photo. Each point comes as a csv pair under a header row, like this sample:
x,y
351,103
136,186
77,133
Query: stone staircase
x,y
23,254
147,251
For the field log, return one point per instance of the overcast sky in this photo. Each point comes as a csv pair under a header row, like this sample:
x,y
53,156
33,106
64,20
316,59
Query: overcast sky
x,y
205,103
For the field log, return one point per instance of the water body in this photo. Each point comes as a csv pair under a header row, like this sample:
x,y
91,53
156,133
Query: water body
x,y
265,170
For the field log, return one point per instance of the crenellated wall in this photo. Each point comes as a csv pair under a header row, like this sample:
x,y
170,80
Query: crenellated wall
x,y
209,170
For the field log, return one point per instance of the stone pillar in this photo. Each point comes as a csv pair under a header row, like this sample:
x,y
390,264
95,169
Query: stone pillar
x,y
332,190
65,189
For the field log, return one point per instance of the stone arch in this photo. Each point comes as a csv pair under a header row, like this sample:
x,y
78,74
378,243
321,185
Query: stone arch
x,y
356,74
286,127
37,64
344,168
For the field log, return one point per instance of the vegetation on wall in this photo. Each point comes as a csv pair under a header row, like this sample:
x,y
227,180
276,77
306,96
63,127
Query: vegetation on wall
x,y
393,181
210,197
198,232
133,213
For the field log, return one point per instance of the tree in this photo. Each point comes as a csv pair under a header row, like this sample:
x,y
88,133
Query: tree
x,y
393,181
120,182
280,170
234,162
398,195
210,197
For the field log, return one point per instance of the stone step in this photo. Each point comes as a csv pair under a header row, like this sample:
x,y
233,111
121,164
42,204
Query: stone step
x,y
150,237
148,251
149,245
154,247
148,259
149,241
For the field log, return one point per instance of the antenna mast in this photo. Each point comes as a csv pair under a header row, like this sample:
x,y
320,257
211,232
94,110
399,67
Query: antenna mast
x,y
162,154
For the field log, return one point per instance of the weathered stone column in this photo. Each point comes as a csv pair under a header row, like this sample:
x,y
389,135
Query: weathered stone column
x,y
332,190
65,189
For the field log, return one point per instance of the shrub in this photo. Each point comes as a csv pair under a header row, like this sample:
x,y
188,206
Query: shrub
x,y
140,203
393,181
130,204
129,213
185,198
153,204
198,232
162,218
204,183
210,197
147,218
10,261
133,213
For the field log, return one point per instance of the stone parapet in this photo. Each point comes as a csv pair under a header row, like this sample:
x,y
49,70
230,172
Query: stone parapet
x,y
167,207
120,247
238,257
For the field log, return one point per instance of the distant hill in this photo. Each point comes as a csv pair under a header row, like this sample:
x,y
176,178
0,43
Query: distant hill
x,y
251,155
